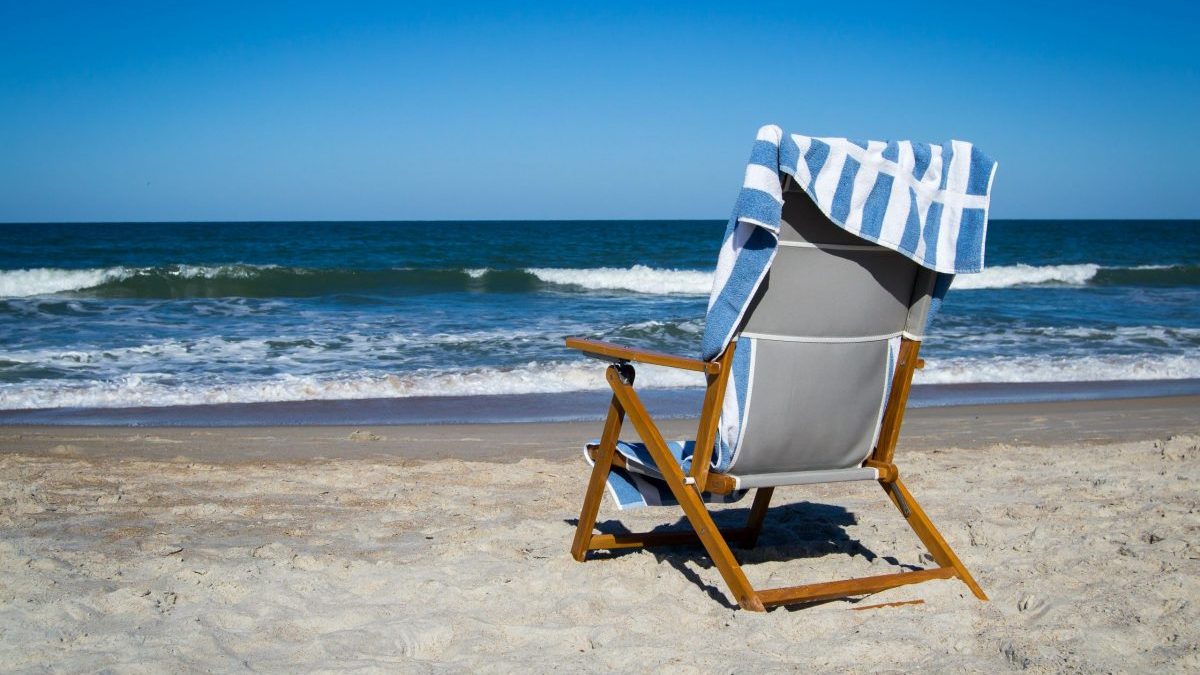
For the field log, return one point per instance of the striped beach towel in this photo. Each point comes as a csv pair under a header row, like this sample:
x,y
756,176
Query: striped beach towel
x,y
927,202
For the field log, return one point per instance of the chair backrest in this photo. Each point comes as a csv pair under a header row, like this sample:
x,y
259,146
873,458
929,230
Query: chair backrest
x,y
821,324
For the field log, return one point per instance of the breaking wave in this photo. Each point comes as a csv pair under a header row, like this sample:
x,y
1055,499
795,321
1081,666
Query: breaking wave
x,y
1059,369
265,281
638,279
1086,274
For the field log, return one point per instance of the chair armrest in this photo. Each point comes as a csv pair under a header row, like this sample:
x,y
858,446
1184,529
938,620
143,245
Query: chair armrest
x,y
607,351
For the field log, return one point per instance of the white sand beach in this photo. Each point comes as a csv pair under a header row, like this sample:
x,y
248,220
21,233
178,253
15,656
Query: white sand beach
x,y
163,560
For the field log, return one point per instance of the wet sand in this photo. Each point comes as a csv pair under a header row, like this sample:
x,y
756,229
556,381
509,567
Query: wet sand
x,y
1104,421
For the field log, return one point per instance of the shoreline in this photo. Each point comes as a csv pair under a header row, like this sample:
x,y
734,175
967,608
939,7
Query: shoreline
x,y
578,406
960,427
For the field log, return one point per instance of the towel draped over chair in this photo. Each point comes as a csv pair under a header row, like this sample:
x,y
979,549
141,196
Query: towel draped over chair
x,y
927,202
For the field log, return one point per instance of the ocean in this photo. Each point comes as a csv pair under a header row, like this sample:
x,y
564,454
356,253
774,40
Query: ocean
x,y
99,318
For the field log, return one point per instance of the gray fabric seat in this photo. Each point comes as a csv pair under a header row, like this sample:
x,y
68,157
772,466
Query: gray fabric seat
x,y
821,325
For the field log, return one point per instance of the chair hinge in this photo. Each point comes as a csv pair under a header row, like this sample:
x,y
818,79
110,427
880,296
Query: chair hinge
x,y
625,371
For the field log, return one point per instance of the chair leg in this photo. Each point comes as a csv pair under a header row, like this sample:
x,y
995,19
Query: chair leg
x,y
595,489
715,544
928,534
688,498
758,513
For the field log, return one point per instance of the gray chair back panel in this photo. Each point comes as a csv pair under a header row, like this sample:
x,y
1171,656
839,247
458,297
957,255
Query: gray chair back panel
x,y
812,406
816,399
817,293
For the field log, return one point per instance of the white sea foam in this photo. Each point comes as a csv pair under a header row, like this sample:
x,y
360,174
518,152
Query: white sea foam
x,y
693,326
46,280
1180,336
477,272
1007,276
1059,368
235,271
638,279
160,389
311,353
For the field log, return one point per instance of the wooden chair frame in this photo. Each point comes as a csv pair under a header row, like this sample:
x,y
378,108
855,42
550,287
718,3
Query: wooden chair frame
x,y
688,489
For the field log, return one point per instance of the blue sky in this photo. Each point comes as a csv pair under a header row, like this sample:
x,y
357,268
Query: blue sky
x,y
314,111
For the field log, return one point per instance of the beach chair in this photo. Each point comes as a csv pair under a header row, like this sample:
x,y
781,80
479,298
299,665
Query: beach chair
x,y
825,323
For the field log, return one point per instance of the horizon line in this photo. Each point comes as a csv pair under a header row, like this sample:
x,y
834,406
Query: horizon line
x,y
495,220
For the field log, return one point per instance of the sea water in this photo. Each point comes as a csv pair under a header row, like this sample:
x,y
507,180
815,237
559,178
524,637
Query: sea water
x,y
171,314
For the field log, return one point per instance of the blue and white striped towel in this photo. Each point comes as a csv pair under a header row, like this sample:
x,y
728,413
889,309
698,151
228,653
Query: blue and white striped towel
x,y
642,484
927,202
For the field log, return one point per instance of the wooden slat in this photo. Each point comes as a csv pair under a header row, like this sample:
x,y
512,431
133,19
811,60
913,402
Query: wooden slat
x,y
687,496
758,511
609,350
840,589
893,416
928,534
710,415
603,458
644,539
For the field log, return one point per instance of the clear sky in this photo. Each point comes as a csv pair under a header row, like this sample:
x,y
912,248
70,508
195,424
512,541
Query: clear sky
x,y
457,110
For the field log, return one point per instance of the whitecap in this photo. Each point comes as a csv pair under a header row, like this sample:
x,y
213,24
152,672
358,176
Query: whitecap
x,y
46,280
638,279
963,370
1007,276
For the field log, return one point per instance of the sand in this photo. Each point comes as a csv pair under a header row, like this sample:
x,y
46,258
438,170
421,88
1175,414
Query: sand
x,y
142,551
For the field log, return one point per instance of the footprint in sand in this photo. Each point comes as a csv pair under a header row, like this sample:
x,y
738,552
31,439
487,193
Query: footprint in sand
x,y
151,439
1033,607
360,435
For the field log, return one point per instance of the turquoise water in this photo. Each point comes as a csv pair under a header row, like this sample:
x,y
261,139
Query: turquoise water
x,y
155,314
